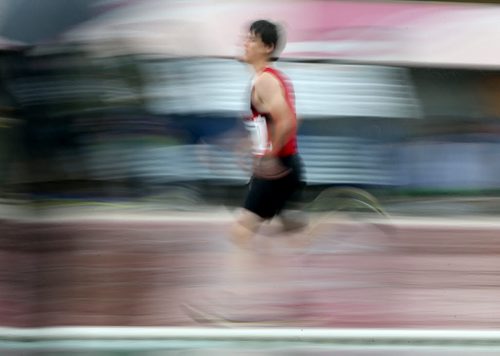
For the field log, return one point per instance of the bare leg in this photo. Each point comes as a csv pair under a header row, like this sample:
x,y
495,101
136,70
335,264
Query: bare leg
x,y
260,271
255,282
244,229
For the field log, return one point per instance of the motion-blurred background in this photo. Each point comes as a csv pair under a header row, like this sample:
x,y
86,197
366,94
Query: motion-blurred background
x,y
136,99
129,111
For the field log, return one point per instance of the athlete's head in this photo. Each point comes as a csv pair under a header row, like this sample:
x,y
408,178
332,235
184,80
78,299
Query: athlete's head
x,y
263,42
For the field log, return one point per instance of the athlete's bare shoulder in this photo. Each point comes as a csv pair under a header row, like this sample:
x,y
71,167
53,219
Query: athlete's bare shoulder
x,y
267,86
266,79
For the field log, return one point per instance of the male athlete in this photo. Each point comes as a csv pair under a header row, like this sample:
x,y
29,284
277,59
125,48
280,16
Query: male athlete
x,y
276,176
277,169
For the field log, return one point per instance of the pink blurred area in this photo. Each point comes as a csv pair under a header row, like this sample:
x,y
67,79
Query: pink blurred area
x,y
386,32
404,274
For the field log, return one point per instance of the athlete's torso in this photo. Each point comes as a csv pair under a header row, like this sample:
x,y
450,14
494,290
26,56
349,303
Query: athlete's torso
x,y
261,122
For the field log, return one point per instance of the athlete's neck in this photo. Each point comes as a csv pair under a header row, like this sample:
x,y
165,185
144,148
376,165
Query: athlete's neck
x,y
260,66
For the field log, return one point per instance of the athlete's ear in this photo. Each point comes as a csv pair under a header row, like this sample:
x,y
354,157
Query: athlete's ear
x,y
270,49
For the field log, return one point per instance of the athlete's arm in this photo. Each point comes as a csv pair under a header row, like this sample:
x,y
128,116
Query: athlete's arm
x,y
272,100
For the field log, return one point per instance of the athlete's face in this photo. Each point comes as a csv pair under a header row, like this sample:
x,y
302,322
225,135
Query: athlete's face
x,y
255,49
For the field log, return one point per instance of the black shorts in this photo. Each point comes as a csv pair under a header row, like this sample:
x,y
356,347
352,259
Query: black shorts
x,y
267,197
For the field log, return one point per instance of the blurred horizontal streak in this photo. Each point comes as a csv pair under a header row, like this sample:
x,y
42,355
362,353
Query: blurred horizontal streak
x,y
323,90
329,160
135,214
106,337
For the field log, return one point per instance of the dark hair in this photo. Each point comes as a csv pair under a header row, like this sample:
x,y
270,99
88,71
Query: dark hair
x,y
270,34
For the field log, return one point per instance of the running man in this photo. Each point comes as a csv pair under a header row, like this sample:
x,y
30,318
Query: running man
x,y
277,168
276,177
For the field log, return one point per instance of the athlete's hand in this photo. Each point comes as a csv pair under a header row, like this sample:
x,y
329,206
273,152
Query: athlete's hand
x,y
269,167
